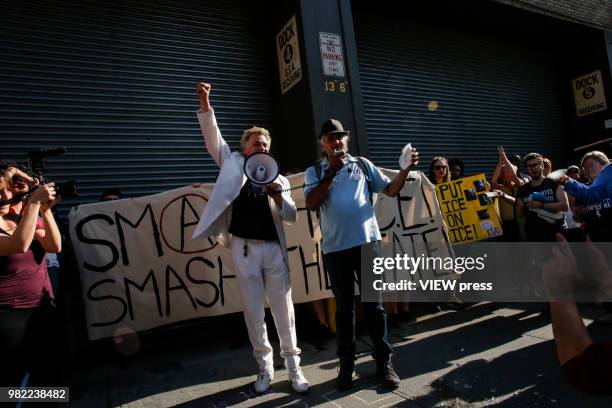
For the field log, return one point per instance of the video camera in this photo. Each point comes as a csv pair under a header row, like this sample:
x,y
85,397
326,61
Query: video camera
x,y
37,163
36,166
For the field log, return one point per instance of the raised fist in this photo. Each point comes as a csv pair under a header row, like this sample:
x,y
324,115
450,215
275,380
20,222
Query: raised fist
x,y
203,93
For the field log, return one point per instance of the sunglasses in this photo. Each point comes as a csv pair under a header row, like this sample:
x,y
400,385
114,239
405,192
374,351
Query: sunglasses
x,y
440,167
534,165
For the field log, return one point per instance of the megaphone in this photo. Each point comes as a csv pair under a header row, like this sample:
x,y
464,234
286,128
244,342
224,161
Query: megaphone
x,y
261,168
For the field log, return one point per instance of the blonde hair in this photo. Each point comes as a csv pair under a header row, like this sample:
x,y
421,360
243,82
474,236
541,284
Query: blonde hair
x,y
597,156
246,135
7,177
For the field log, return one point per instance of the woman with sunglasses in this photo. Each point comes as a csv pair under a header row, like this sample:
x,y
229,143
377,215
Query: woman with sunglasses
x,y
438,170
27,314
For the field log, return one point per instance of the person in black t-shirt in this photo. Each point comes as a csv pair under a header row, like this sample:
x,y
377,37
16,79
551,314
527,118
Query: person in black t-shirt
x,y
542,202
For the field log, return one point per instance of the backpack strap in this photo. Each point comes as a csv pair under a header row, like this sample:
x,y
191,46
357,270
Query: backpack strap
x,y
318,170
368,176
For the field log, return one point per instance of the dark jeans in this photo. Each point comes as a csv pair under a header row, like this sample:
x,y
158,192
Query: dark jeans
x,y
29,343
511,231
344,268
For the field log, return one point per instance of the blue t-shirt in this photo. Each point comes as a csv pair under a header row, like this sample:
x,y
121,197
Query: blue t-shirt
x,y
347,215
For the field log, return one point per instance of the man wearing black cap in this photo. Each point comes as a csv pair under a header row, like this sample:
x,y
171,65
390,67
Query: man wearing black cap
x,y
340,189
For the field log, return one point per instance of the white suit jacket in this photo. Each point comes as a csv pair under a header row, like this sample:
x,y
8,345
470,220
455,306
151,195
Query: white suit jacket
x,y
217,215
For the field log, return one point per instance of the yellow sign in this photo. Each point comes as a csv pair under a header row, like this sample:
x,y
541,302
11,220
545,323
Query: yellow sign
x,y
589,93
467,209
288,52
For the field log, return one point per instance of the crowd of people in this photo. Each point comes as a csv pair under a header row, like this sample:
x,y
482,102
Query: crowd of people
x,y
538,206
532,208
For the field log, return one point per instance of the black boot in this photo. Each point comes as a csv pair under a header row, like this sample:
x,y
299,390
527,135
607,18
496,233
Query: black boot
x,y
344,381
386,374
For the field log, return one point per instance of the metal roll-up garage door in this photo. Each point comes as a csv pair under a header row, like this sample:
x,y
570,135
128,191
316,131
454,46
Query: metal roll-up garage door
x,y
114,82
455,94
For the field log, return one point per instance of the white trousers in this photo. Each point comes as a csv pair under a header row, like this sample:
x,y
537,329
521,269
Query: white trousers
x,y
264,273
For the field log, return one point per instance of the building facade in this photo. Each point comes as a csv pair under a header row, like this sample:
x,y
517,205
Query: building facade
x,y
114,82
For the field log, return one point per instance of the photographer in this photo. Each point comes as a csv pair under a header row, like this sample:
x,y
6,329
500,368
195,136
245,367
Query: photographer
x,y
27,313
19,186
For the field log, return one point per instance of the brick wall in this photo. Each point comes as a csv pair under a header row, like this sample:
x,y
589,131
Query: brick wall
x,y
593,13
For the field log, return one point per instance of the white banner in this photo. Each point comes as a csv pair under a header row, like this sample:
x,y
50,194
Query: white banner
x,y
140,269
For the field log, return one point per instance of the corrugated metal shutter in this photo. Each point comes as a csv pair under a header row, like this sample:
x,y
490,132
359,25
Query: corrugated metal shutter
x,y
488,92
114,82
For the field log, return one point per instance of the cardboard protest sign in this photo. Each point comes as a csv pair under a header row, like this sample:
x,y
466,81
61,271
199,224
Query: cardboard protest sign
x,y
140,269
468,212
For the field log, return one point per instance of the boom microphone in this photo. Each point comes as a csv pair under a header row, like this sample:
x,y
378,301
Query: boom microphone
x,y
42,153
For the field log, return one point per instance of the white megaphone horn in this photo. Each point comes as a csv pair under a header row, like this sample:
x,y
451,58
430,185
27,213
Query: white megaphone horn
x,y
261,168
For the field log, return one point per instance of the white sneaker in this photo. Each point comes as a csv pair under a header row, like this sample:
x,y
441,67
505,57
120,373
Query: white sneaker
x,y
298,381
263,382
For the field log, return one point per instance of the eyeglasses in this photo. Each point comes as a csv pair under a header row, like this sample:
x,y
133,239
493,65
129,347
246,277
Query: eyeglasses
x,y
440,167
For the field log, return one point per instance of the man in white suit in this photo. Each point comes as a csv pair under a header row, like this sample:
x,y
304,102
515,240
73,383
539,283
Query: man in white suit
x,y
252,226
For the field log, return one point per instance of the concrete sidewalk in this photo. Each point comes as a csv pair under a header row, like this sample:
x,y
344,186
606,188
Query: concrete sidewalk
x,y
498,355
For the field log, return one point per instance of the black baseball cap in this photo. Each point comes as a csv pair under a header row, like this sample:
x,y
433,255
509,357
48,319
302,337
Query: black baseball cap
x,y
332,127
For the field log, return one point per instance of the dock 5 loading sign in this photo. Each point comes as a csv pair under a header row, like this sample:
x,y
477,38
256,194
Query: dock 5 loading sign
x,y
589,94
288,53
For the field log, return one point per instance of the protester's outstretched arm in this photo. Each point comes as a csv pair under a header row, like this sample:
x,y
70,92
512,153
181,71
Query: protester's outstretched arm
x,y
217,147
396,185
571,336
596,192
515,179
507,198
495,176
583,361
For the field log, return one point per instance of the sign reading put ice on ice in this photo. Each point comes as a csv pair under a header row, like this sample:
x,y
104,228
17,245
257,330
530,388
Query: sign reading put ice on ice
x,y
468,211
589,93
331,54
288,53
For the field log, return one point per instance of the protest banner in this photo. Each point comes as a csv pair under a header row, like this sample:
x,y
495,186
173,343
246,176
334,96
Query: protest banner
x,y
468,212
140,269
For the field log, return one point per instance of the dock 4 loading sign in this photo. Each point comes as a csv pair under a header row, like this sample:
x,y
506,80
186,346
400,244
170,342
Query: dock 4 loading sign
x,y
589,94
288,53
